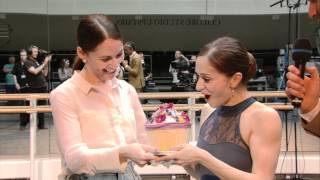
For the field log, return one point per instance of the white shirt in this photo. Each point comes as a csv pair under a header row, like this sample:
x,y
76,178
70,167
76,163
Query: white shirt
x,y
93,121
311,114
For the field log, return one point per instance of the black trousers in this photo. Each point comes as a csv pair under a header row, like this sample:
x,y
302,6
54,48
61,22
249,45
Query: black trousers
x,y
40,102
24,117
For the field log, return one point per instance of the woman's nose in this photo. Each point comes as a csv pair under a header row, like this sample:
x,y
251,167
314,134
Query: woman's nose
x,y
199,85
113,64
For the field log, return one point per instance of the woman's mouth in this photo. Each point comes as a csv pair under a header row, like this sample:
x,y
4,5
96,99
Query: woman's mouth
x,y
109,71
206,96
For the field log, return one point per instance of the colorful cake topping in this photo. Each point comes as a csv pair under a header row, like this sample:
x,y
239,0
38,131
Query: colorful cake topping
x,y
166,114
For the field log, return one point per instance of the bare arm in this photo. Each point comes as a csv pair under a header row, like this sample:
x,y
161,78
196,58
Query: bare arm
x,y
264,138
41,68
264,145
45,70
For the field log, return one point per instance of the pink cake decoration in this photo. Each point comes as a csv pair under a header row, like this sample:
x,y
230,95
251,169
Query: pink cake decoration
x,y
167,116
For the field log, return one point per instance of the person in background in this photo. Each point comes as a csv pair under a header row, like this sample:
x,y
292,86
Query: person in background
x,y
20,80
65,71
120,72
134,67
98,118
241,138
178,67
308,90
192,67
36,77
182,66
7,69
146,68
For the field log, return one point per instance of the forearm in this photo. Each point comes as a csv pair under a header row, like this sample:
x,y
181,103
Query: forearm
x,y
81,159
37,70
15,80
45,71
227,172
132,70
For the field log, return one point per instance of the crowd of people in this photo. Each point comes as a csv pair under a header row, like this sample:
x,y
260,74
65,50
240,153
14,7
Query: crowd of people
x,y
100,122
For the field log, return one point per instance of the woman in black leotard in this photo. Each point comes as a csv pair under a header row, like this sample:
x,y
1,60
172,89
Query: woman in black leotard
x,y
241,138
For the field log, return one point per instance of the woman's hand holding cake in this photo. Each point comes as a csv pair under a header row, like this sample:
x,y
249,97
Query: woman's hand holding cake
x,y
139,153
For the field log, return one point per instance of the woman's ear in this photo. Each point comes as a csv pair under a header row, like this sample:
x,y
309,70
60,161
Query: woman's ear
x,y
235,80
81,54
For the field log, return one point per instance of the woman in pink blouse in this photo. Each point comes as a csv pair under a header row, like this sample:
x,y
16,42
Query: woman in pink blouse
x,y
98,118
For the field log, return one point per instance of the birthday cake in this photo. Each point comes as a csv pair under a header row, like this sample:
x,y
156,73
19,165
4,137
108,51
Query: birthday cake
x,y
168,128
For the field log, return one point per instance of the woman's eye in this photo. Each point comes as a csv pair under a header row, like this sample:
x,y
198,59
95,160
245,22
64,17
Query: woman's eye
x,y
105,59
206,80
119,55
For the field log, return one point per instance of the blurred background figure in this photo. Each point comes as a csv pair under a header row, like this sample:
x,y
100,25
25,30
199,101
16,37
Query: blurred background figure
x,y
192,67
134,67
36,76
20,80
7,69
180,68
65,71
146,68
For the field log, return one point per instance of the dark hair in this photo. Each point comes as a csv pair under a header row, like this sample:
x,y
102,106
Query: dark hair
x,y
229,56
130,44
29,49
93,30
63,61
22,50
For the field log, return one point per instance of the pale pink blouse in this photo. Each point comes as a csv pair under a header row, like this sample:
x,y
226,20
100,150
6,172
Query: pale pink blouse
x,y
93,121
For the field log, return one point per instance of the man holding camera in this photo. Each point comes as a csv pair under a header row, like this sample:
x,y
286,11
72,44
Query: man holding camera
x,y
182,65
36,77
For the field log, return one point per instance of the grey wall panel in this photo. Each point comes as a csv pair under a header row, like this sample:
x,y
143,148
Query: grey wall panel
x,y
120,7
159,32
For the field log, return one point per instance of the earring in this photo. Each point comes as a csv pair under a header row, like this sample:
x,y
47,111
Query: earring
x,y
84,61
232,92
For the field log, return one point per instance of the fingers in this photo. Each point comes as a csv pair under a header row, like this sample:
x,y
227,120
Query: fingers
x,y
170,156
294,93
295,85
142,163
148,148
148,153
177,148
291,76
294,69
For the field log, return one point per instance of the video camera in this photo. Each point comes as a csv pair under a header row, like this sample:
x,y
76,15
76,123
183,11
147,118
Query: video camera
x,y
180,65
43,53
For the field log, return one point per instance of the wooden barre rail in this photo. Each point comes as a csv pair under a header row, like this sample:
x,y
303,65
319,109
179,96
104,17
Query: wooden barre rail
x,y
158,95
197,95
146,107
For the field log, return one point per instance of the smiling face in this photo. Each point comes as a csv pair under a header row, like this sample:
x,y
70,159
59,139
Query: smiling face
x,y
103,61
215,86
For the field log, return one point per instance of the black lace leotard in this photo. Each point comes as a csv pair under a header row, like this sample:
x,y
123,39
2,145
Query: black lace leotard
x,y
220,136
